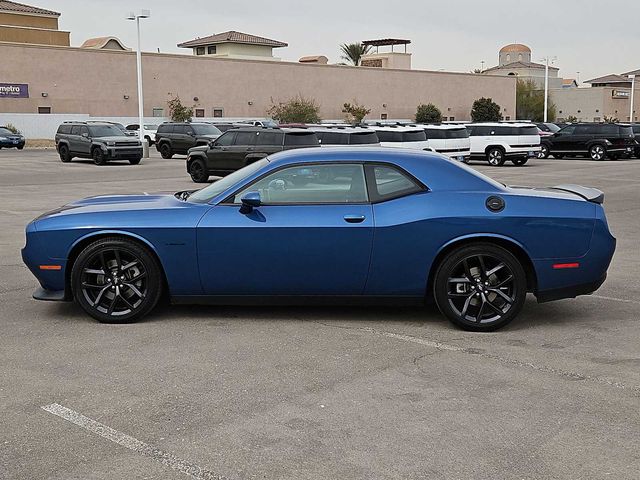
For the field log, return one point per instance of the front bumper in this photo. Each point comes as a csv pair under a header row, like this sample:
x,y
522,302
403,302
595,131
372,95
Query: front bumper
x,y
124,152
10,144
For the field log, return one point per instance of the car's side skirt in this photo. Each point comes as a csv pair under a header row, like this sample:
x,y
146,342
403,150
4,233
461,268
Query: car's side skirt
x,y
296,300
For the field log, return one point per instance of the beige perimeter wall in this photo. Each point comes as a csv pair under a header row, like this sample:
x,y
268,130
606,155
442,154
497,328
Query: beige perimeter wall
x,y
95,82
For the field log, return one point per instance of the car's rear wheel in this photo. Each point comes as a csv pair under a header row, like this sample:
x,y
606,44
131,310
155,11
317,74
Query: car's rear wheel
x,y
98,156
480,287
63,151
598,152
495,157
198,171
135,161
519,161
544,151
20,147
165,151
116,280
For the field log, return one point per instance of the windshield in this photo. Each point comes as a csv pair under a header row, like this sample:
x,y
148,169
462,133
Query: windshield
x,y
5,131
216,188
204,129
105,131
552,127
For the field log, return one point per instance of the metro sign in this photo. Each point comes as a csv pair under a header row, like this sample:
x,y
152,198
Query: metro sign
x,y
14,90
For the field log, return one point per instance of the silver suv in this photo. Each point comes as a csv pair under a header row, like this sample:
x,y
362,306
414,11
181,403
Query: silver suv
x,y
99,141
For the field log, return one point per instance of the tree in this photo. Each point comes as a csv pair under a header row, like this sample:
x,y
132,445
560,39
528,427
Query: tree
x,y
611,119
571,119
12,128
485,110
353,52
178,112
476,70
355,112
428,113
530,102
295,110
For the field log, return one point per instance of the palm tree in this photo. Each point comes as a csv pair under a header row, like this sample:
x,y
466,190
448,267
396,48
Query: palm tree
x,y
352,52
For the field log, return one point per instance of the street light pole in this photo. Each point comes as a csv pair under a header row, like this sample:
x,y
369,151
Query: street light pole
x,y
546,88
633,85
137,17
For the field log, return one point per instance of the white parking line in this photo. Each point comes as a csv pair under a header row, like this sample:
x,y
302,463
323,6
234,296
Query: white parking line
x,y
131,443
623,300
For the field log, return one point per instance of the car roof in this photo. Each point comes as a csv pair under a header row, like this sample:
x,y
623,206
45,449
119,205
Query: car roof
x,y
339,129
311,155
501,124
271,129
439,126
395,128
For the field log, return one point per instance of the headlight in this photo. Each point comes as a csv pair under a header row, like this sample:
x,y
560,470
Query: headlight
x,y
111,143
3,138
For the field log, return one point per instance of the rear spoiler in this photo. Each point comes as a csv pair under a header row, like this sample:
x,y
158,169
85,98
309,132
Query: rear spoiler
x,y
590,194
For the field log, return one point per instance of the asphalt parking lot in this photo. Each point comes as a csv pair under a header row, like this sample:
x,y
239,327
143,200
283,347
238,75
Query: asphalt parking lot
x,y
315,393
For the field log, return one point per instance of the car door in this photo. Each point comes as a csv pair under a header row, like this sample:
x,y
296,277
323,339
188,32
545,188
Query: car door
x,y
562,141
268,142
218,154
309,236
188,137
581,138
84,141
243,145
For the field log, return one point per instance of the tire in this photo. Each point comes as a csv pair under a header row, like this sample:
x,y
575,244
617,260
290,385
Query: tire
x,y
598,152
20,147
63,151
544,152
165,151
135,161
518,162
129,291
98,156
490,290
149,141
495,157
198,171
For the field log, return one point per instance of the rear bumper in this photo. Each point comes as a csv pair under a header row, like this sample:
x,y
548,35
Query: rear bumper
x,y
570,292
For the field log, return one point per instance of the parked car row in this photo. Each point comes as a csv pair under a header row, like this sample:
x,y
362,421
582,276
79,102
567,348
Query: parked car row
x,y
598,141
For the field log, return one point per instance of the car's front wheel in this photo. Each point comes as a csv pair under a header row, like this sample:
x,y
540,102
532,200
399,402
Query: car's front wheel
x,y
198,171
480,287
116,280
597,152
518,162
135,161
544,152
98,156
495,157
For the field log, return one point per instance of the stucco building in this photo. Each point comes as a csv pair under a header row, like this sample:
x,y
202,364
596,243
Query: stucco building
x,y
21,23
514,60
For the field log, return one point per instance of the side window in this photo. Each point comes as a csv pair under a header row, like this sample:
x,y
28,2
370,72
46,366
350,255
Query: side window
x,y
504,131
178,129
75,130
84,130
269,138
568,130
328,184
386,183
64,129
245,138
226,139
583,130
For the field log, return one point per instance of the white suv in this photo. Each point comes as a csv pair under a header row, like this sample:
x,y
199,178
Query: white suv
x,y
497,142
450,140
402,137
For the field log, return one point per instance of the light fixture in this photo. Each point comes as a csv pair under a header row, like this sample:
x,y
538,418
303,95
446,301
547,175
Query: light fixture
x,y
44,94
126,97
384,105
195,99
249,102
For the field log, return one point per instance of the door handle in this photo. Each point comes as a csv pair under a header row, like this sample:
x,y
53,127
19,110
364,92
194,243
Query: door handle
x,y
354,218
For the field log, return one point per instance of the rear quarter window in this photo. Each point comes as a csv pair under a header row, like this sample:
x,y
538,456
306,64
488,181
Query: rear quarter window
x,y
533,130
64,129
304,138
626,131
363,138
416,136
165,129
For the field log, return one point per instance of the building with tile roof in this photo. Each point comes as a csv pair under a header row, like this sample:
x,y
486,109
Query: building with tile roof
x,y
233,44
21,23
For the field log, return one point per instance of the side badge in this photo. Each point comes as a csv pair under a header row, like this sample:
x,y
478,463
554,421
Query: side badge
x,y
495,204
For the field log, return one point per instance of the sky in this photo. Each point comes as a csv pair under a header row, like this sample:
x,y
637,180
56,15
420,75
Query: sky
x,y
593,37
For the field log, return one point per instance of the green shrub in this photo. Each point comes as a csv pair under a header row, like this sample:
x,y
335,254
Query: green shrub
x,y
428,113
295,110
178,112
355,112
486,110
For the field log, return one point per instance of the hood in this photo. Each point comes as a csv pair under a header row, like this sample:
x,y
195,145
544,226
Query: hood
x,y
208,137
117,138
111,203
199,148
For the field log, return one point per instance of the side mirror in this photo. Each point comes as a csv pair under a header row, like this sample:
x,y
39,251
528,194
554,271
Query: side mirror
x,y
250,201
85,135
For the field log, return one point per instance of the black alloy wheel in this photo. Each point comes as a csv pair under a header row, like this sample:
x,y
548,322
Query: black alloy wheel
x,y
165,151
98,156
63,151
116,280
495,157
198,171
598,152
480,287
518,162
544,151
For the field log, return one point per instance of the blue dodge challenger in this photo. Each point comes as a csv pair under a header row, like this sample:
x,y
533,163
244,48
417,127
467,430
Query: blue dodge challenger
x,y
338,225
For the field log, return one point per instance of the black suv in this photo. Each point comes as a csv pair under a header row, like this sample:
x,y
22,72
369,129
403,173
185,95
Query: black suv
x,y
173,137
636,132
239,147
596,140
100,141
